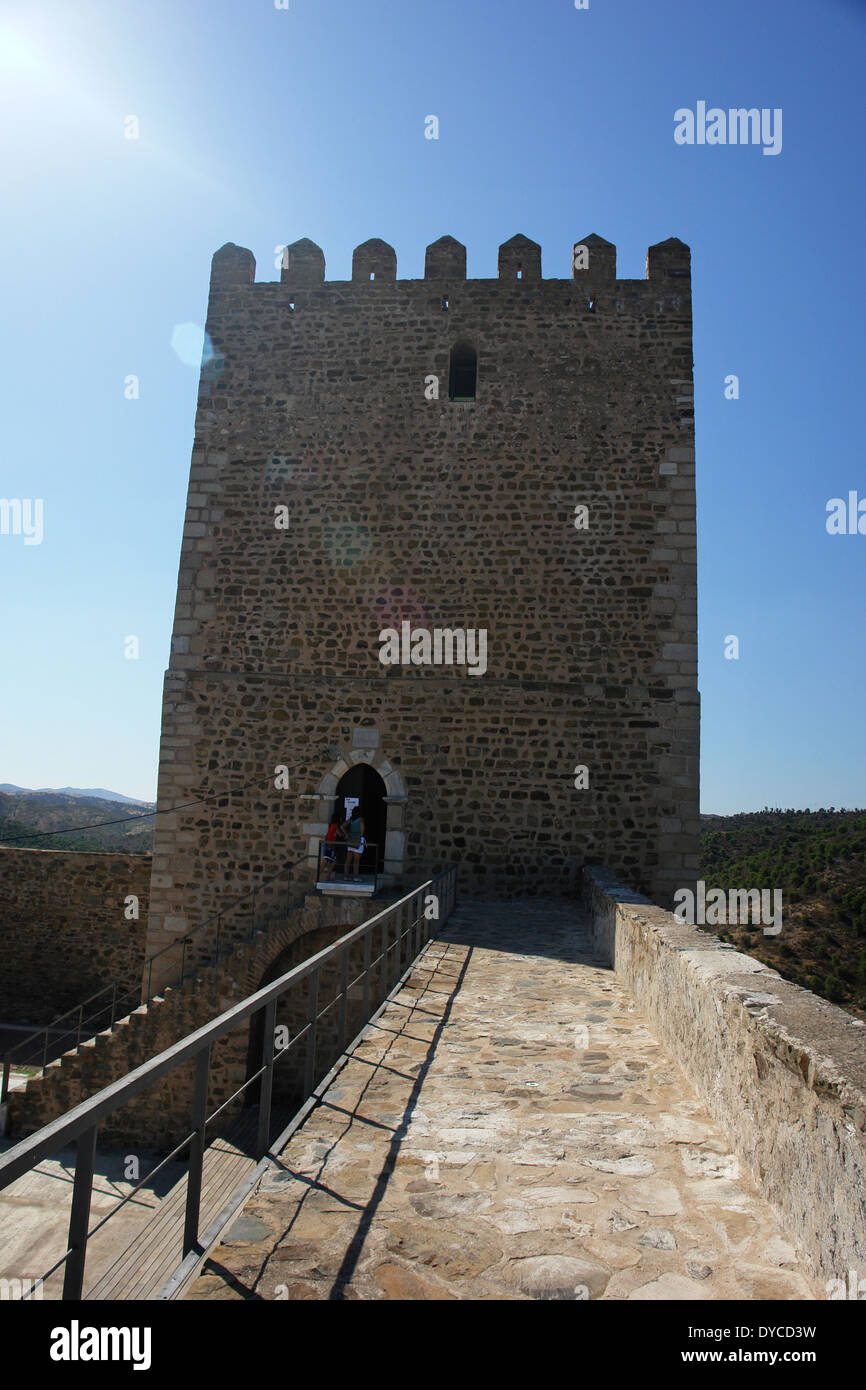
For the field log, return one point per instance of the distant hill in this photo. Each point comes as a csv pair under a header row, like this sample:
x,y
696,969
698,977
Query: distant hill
x,y
24,812
818,860
93,792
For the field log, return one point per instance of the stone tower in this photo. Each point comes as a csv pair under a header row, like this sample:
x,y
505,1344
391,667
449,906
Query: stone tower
x,y
507,462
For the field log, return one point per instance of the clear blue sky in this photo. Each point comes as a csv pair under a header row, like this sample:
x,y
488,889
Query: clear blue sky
x,y
259,126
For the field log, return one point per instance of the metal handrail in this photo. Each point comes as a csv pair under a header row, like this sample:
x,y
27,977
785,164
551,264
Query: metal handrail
x,y
336,845
120,1006
82,1122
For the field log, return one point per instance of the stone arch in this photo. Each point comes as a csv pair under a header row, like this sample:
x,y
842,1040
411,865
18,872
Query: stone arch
x,y
291,1015
396,799
367,789
321,922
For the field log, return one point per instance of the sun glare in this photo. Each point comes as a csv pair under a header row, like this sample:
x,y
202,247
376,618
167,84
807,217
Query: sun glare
x,y
17,51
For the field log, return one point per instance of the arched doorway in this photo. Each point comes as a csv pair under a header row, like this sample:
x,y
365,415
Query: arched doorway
x,y
325,804
363,787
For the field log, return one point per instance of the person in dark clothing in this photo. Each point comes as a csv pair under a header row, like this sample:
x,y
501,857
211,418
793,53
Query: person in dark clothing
x,y
355,843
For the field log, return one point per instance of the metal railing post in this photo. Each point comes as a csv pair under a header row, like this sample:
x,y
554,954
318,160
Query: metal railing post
x,y
196,1151
392,951
312,1023
79,1216
7,1067
113,1004
267,1091
80,1024
398,946
344,998
45,1051
368,954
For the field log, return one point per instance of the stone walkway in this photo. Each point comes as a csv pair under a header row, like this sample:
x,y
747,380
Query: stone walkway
x,y
509,1130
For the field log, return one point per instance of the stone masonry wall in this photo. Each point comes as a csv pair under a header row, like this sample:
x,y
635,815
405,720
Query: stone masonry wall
x,y
404,506
781,1070
63,929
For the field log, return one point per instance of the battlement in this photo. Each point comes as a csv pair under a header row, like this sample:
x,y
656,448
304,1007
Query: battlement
x,y
519,260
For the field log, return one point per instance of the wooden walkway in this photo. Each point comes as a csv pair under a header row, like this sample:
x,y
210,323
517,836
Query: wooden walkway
x,y
157,1250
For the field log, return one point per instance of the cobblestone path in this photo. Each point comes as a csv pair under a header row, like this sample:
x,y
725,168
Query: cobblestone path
x,y
509,1129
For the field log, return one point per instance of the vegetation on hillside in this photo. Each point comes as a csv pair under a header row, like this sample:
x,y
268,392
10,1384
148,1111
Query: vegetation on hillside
x,y
818,860
25,814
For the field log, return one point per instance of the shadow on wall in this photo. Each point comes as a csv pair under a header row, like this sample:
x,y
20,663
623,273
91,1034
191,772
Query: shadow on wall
x,y
543,929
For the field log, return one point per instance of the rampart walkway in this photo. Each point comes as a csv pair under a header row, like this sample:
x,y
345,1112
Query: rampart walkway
x,y
509,1129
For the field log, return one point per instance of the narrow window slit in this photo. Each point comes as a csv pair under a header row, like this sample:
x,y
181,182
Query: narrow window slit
x,y
463,372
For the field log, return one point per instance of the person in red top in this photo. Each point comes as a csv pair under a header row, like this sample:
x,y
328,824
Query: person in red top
x,y
329,848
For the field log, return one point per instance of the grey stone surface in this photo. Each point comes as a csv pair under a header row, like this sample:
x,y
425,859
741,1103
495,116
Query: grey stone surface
x,y
780,1070
470,1148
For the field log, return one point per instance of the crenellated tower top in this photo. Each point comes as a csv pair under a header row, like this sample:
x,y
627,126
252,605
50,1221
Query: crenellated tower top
x,y
375,262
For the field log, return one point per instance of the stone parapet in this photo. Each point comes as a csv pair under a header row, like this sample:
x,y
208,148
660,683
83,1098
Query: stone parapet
x,y
782,1071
